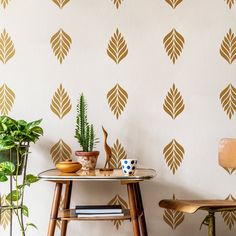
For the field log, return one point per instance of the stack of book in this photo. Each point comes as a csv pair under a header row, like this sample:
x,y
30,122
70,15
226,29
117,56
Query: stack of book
x,y
98,210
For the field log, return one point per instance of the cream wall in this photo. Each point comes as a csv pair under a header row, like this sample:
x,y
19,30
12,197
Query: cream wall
x,y
200,73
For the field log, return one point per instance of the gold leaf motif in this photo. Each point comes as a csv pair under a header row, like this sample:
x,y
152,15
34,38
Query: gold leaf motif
x,y
61,44
230,3
117,3
118,154
60,152
228,47
174,154
61,206
173,218
6,214
117,100
228,100
4,3
60,104
7,98
117,200
229,170
173,104
117,48
7,50
61,3
174,3
229,217
174,43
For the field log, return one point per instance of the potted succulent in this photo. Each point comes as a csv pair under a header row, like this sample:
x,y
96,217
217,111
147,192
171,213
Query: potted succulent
x,y
15,137
85,135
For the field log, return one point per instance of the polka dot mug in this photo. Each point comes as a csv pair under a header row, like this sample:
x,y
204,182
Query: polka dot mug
x,y
128,166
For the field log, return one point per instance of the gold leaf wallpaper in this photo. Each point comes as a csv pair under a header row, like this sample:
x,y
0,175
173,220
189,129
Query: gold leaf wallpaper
x,y
118,200
173,3
5,215
4,3
7,98
118,154
7,50
117,99
117,48
60,152
174,154
173,104
230,3
61,3
228,47
174,43
229,217
60,104
228,100
158,74
173,218
230,170
117,3
61,43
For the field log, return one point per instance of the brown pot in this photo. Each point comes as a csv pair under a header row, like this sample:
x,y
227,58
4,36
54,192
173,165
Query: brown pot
x,y
88,160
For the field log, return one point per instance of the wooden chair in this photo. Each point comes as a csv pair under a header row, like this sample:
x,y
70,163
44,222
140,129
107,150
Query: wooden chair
x,y
227,159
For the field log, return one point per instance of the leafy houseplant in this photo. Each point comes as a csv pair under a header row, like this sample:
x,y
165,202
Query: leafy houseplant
x,y
85,135
15,137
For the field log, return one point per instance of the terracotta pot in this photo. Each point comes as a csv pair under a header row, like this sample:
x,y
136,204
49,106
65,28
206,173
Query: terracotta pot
x,y
88,160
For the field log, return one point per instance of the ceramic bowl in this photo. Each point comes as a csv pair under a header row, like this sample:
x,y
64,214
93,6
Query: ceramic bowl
x,y
68,166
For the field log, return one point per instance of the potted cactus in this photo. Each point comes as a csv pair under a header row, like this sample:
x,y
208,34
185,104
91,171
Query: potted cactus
x,y
85,135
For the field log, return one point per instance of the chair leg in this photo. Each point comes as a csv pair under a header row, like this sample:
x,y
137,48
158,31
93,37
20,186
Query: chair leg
x,y
211,224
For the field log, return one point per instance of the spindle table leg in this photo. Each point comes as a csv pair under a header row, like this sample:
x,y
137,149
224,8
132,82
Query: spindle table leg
x,y
141,210
67,198
54,209
133,208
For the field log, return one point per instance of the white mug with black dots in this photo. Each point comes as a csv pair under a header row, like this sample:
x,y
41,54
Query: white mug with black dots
x,y
128,166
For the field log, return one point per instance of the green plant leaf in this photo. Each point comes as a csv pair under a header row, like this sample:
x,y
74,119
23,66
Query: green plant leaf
x,y
14,132
15,195
30,179
7,167
31,224
33,124
3,177
25,210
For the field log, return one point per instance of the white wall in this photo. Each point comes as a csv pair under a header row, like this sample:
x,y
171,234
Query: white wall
x,y
146,74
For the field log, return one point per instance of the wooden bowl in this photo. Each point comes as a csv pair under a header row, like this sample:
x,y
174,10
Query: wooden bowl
x,y
68,166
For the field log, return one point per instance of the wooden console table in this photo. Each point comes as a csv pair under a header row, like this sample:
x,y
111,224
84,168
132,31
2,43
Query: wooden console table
x,y
135,213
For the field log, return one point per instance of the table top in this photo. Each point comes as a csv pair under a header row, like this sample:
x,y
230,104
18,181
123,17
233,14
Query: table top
x,y
96,175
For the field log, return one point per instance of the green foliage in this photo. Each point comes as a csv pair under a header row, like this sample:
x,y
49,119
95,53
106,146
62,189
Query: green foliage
x,y
14,134
84,132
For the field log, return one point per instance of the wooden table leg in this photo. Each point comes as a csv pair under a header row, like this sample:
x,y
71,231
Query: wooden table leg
x,y
133,208
141,210
54,209
67,198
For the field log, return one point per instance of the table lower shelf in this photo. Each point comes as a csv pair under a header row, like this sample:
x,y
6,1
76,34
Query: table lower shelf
x,y
69,214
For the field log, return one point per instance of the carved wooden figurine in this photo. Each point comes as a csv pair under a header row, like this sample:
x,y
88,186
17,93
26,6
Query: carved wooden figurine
x,y
107,148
